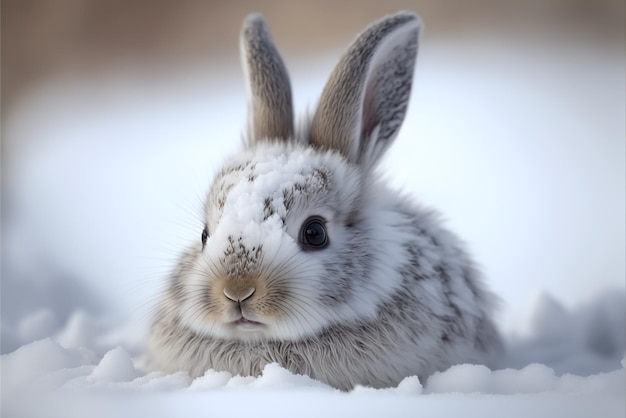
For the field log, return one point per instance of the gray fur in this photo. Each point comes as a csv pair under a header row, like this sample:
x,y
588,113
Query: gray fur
x,y
394,294
271,109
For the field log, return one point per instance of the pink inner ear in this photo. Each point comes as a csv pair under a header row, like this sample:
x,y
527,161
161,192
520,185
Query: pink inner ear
x,y
369,116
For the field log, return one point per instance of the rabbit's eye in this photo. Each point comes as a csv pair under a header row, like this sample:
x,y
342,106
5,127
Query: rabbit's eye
x,y
205,235
314,234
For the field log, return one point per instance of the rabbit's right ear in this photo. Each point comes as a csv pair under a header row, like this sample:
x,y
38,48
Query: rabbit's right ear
x,y
364,102
270,109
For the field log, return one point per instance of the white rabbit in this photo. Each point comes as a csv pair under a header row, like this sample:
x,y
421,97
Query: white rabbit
x,y
307,258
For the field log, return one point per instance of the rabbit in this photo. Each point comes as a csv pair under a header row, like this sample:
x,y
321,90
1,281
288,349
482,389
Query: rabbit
x,y
308,258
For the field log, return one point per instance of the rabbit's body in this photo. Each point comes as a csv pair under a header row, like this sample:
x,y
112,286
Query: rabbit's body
x,y
307,259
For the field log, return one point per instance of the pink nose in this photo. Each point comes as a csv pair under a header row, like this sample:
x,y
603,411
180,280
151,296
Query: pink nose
x,y
239,293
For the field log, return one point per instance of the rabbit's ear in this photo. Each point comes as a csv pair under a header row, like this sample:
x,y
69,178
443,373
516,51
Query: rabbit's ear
x,y
270,110
364,102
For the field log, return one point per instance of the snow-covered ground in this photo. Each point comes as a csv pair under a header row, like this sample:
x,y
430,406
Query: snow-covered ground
x,y
521,147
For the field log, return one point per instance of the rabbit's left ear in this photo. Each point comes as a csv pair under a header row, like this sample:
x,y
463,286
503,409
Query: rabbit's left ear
x,y
365,100
270,110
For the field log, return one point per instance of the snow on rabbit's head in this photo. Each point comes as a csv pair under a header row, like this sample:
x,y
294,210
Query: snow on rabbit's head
x,y
299,235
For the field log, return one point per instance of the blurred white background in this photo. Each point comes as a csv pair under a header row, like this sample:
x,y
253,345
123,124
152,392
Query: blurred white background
x,y
116,114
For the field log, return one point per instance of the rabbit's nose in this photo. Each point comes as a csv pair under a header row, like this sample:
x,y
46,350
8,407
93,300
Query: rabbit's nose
x,y
239,293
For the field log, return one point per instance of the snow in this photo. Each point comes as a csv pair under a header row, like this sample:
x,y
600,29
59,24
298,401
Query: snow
x,y
78,376
106,189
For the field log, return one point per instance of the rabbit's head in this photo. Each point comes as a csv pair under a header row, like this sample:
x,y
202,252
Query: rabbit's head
x,y
298,234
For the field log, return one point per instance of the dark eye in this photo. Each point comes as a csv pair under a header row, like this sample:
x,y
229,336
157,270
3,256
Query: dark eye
x,y
205,235
314,234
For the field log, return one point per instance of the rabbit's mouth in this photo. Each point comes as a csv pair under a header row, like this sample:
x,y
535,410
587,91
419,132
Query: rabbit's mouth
x,y
247,324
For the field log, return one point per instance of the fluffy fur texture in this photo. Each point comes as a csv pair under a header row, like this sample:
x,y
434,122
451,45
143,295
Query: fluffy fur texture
x,y
390,294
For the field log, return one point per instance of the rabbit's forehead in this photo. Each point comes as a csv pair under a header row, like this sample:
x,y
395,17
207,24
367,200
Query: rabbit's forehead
x,y
264,184
265,174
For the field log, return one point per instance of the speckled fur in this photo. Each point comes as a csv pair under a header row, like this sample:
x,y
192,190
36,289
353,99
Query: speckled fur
x,y
394,294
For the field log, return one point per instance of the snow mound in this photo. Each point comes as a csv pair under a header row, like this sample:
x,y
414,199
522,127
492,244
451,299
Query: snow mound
x,y
585,340
36,362
70,380
534,378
